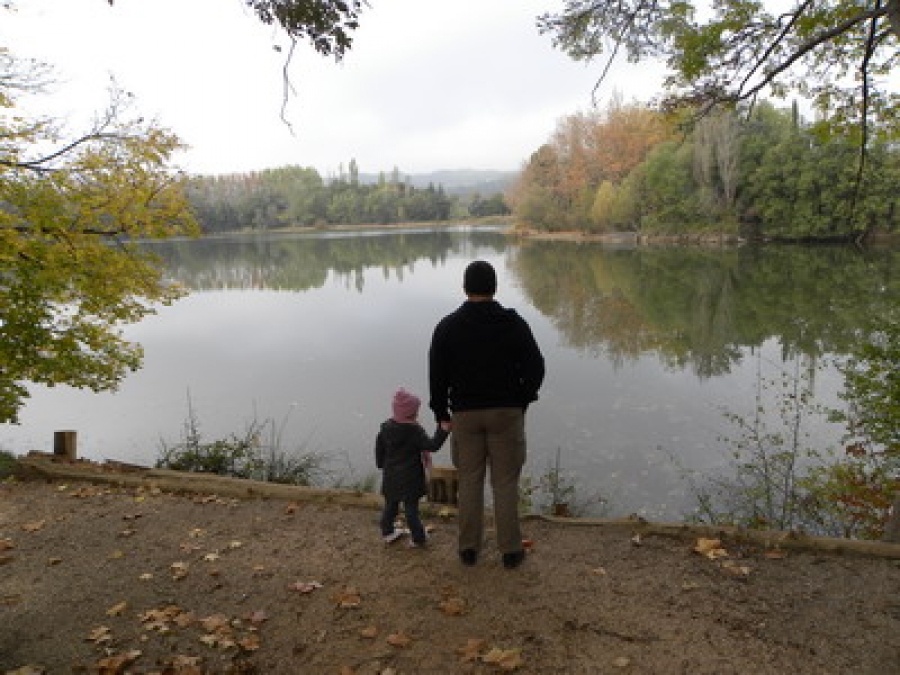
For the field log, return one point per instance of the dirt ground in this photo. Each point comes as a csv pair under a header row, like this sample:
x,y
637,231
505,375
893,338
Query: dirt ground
x,y
101,579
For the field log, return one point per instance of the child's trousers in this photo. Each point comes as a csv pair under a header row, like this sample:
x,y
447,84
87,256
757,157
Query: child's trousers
x,y
413,520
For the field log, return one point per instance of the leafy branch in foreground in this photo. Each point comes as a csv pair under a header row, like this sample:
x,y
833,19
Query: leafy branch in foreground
x,y
70,272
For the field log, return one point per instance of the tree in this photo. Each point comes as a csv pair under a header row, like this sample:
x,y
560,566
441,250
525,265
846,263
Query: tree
x,y
738,50
70,272
872,394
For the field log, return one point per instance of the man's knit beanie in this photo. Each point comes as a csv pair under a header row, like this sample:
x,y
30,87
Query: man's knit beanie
x,y
480,279
405,405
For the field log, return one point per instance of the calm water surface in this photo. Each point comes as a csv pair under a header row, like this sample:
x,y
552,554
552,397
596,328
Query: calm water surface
x,y
645,348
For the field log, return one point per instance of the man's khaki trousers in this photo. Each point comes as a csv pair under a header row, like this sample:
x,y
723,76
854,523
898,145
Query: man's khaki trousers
x,y
489,440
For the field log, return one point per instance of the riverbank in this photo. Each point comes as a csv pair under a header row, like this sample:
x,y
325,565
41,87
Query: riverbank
x,y
154,580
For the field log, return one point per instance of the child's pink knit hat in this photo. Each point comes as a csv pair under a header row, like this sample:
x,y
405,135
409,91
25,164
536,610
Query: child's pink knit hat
x,y
406,406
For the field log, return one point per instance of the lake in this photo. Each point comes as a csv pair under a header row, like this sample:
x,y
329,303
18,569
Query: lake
x,y
646,348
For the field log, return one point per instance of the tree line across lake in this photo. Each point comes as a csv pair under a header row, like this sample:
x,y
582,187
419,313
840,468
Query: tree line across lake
x,y
295,196
763,174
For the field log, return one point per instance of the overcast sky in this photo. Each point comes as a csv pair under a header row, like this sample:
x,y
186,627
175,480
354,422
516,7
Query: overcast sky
x,y
428,84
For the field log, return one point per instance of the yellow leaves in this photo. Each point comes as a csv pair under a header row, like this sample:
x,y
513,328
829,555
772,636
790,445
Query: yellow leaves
x,y
117,609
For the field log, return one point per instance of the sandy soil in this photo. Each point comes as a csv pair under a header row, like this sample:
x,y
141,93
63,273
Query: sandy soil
x,y
99,579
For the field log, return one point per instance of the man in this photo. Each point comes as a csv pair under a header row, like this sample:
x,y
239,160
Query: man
x,y
485,368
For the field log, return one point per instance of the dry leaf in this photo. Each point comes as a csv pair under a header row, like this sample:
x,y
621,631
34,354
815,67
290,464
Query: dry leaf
x,y
118,609
146,576
471,650
775,554
258,617
54,561
249,643
710,548
179,570
127,533
622,662
453,606
505,659
6,544
116,555
369,632
113,665
27,670
196,533
234,544
734,569
35,526
211,557
304,586
100,635
599,571
399,639
348,598
216,623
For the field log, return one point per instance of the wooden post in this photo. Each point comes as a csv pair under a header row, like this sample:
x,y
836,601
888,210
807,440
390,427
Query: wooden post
x,y
443,485
65,445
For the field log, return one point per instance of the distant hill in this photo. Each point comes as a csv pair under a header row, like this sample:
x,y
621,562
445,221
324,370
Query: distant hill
x,y
458,181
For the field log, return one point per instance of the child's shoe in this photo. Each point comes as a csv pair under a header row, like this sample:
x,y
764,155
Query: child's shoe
x,y
392,537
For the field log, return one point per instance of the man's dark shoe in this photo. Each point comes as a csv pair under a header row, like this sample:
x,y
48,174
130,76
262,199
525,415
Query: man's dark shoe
x,y
468,556
512,560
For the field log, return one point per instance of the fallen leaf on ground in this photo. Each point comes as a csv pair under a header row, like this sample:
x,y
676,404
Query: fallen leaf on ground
x,y
216,623
734,569
399,639
146,576
35,526
234,544
472,649
249,643
348,598
621,662
127,533
116,555
6,544
117,609
54,561
710,548
100,635
598,571
27,670
369,632
196,533
4,559
304,586
258,617
211,557
113,665
453,606
505,659
775,554
179,570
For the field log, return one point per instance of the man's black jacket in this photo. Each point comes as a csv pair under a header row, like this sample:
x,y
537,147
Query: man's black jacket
x,y
483,356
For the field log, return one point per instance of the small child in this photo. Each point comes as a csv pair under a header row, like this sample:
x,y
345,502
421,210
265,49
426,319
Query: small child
x,y
399,453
